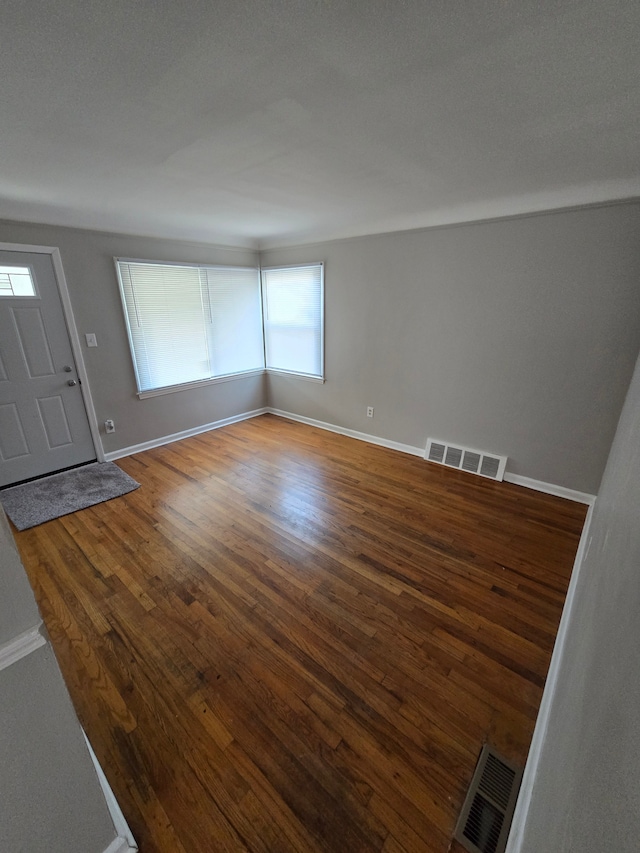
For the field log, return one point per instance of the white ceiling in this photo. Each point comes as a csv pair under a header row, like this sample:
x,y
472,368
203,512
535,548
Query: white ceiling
x,y
266,123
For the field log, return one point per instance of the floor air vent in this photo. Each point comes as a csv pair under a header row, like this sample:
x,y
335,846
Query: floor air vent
x,y
466,459
485,820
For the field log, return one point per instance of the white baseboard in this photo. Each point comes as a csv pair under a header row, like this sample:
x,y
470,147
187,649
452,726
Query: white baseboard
x,y
178,436
527,482
21,646
516,835
550,489
124,841
351,433
119,845
516,479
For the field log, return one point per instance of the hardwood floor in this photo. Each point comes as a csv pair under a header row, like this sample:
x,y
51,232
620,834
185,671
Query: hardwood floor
x,y
289,640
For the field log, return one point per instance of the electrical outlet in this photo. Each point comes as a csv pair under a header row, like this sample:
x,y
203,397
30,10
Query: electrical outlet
x,y
369,411
109,426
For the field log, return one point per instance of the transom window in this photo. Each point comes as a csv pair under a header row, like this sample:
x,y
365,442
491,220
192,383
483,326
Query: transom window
x,y
16,281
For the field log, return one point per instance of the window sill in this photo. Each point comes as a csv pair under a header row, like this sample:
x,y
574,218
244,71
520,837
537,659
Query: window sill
x,y
306,376
186,386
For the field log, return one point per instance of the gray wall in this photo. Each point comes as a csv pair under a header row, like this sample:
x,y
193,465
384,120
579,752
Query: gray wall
x,y
87,258
51,800
18,609
517,337
585,795
50,797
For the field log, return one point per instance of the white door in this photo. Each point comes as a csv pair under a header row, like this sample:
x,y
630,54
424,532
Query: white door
x,y
43,420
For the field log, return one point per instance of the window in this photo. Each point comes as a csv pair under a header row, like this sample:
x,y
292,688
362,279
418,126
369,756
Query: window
x,y
190,323
293,310
16,281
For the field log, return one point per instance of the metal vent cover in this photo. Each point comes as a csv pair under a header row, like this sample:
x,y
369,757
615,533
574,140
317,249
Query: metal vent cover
x,y
466,459
485,819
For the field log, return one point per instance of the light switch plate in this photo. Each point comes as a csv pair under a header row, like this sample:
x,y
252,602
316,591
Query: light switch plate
x,y
91,339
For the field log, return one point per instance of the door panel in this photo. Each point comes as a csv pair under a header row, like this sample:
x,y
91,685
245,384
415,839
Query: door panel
x,y
13,442
32,338
43,420
54,421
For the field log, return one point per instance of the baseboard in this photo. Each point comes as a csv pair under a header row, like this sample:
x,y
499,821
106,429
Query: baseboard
x,y
119,845
516,479
21,646
178,436
351,433
124,841
527,482
550,489
516,835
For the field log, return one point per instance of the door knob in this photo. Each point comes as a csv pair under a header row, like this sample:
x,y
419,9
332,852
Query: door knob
x,y
72,382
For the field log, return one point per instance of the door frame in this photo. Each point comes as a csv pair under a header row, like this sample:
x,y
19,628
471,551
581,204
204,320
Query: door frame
x,y
72,331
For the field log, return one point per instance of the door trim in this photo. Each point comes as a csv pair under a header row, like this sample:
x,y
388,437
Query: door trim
x,y
74,337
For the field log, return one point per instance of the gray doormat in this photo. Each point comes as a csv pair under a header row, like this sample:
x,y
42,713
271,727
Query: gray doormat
x,y
50,497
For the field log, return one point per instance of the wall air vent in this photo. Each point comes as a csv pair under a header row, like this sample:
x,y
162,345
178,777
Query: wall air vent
x,y
485,819
466,459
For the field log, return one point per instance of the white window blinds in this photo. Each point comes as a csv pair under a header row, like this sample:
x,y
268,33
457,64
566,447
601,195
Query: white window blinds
x,y
190,323
293,308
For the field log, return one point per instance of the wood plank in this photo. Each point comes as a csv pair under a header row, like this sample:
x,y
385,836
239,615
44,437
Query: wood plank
x,y
291,640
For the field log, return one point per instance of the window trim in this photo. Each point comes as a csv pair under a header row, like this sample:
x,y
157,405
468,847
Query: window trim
x,y
246,374
310,377
197,383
